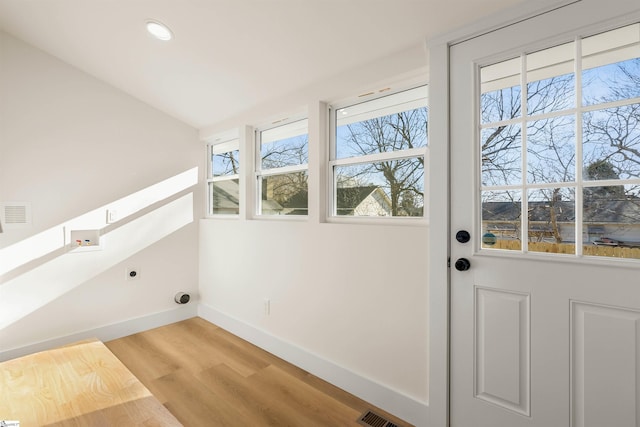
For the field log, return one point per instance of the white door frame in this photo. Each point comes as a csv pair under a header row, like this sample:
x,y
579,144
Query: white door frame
x,y
439,204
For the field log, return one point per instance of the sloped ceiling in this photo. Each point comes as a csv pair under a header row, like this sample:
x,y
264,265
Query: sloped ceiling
x,y
230,55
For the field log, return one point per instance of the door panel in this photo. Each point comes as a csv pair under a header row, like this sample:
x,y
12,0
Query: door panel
x,y
604,356
502,340
545,324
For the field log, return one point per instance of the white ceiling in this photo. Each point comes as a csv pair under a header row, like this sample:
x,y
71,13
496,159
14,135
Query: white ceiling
x,y
229,56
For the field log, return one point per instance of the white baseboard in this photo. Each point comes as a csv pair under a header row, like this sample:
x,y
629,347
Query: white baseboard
x,y
383,397
109,332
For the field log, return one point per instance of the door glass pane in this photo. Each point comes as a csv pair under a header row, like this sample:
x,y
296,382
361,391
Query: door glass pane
x,y
551,150
501,220
500,97
611,148
501,149
550,80
610,64
611,225
551,220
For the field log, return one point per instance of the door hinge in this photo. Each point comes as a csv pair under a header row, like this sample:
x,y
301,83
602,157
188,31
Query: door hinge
x,y
448,262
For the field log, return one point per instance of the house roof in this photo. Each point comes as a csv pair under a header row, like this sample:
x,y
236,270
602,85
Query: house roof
x,y
227,194
595,211
347,198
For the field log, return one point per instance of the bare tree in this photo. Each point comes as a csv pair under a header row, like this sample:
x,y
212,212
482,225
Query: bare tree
x,y
550,150
612,135
403,177
287,189
610,138
226,163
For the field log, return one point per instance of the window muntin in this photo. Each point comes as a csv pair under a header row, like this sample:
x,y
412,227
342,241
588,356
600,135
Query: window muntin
x,y
282,169
223,178
571,147
378,156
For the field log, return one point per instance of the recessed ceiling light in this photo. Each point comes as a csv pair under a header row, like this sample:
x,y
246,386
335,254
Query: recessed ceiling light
x,y
159,30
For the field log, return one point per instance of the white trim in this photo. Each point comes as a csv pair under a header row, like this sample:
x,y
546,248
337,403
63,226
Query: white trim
x,y
284,130
282,170
377,394
438,242
518,13
380,157
223,178
108,332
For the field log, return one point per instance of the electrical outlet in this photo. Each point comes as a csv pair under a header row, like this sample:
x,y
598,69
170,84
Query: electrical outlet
x,y
133,273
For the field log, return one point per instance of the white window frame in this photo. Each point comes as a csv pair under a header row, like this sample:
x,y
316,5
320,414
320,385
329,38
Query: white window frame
x,y
262,173
374,158
223,144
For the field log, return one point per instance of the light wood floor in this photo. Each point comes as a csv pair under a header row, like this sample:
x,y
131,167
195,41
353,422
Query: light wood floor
x,y
206,376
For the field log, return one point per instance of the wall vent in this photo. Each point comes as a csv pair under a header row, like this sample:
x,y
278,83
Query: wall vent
x,y
370,418
15,214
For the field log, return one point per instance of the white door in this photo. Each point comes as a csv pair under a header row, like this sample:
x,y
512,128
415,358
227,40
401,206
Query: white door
x,y
545,167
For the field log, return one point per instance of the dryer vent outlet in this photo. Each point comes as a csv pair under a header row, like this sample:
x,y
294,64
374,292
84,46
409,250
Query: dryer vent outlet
x,y
182,298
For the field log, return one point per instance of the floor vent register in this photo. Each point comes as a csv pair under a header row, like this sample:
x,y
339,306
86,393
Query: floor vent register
x,y
372,419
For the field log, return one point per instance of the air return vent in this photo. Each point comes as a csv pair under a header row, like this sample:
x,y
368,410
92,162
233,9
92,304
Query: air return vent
x,y
372,419
15,214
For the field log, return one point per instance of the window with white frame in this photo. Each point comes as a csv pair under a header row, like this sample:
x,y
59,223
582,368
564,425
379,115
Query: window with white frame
x,y
378,156
282,169
223,178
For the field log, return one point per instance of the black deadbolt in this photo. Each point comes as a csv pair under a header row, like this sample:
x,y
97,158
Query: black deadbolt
x,y
463,236
462,264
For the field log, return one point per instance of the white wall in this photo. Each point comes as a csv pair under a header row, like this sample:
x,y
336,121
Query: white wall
x,y
348,299
354,295
72,147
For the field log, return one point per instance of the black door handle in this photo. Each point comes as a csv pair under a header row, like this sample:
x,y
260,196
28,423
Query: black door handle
x,y
462,264
463,236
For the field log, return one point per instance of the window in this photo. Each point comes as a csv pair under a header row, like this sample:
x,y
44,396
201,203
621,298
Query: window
x,y
281,170
223,178
378,156
560,148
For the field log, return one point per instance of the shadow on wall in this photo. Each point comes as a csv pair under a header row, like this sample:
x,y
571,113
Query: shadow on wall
x,y
49,264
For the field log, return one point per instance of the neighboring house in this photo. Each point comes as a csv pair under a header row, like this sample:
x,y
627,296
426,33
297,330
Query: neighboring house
x,y
363,201
606,221
368,200
225,196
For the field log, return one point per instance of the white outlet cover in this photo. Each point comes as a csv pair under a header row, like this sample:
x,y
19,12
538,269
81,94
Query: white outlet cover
x,y
112,216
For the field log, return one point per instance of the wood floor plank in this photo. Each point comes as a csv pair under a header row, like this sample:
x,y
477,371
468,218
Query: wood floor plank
x,y
193,403
243,357
77,385
230,386
207,376
310,404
